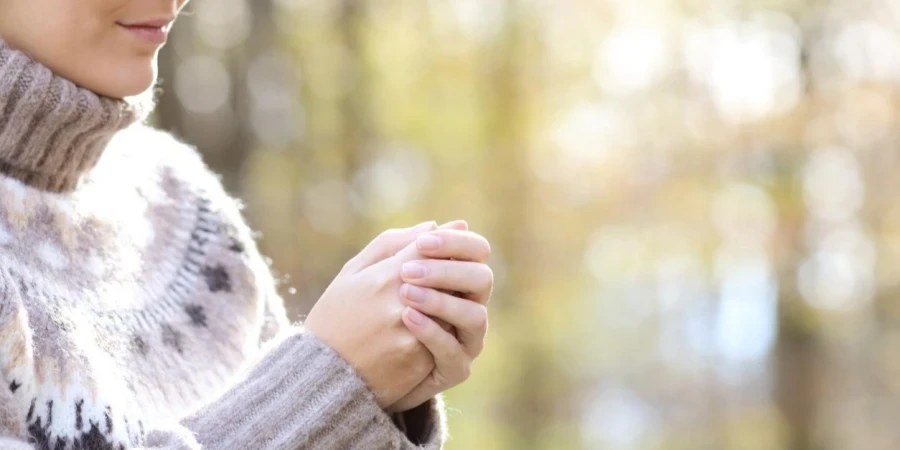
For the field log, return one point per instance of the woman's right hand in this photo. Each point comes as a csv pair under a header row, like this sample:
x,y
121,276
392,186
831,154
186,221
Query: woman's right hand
x,y
359,316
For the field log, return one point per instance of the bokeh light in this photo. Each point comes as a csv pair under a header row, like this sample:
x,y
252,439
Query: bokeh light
x,y
691,204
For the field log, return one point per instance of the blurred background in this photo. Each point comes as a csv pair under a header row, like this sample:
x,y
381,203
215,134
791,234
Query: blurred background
x,y
693,204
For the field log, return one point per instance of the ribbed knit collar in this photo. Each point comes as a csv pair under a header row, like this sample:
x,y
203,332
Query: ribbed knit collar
x,y
52,132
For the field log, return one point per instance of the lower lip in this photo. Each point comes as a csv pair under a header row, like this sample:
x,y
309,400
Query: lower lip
x,y
155,35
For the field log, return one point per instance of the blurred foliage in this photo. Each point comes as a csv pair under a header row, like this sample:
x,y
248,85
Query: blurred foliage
x,y
692,204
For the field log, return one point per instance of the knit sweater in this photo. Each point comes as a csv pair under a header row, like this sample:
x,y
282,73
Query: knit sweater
x,y
135,308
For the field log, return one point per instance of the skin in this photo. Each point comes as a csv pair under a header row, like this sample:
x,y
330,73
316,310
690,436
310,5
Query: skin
x,y
82,40
371,315
409,335
454,290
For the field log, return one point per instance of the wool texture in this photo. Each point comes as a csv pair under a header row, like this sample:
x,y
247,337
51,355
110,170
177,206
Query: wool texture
x,y
135,308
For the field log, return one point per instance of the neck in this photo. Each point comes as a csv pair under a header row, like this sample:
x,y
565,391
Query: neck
x,y
53,132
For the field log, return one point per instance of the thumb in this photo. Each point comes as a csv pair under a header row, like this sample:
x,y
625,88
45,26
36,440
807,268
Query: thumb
x,y
411,253
387,244
461,225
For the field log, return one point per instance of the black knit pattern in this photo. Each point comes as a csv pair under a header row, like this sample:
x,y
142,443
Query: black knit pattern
x,y
97,435
94,434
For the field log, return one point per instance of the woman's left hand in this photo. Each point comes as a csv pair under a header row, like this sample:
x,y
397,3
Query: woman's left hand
x,y
456,264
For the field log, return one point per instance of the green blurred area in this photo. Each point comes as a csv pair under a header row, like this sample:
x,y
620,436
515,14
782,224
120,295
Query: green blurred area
x,y
692,205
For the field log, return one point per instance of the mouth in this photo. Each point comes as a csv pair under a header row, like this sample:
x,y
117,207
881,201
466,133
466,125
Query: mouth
x,y
153,31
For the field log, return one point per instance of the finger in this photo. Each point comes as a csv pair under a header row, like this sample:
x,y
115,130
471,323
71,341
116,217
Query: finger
x,y
454,244
387,244
406,254
391,266
452,367
475,280
411,252
469,318
461,225
451,363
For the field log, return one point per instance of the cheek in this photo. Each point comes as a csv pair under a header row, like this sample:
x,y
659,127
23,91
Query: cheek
x,y
36,27
86,29
79,40
62,25
57,25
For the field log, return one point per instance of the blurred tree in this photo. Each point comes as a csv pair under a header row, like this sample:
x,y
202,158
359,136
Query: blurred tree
x,y
798,355
357,140
508,183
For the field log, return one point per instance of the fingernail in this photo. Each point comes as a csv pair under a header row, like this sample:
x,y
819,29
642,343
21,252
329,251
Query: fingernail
x,y
428,242
451,224
413,270
425,226
413,293
416,317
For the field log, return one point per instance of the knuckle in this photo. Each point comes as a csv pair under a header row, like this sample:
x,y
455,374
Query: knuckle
x,y
480,317
465,371
485,249
446,326
437,303
432,299
454,350
381,279
442,382
423,364
348,266
439,270
407,343
477,348
488,275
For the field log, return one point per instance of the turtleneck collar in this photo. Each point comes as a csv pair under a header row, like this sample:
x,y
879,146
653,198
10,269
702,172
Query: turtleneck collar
x,y
52,132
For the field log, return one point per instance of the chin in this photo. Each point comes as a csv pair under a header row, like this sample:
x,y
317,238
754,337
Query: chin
x,y
126,80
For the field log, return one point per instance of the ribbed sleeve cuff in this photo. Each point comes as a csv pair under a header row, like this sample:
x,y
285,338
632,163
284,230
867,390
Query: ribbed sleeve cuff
x,y
302,394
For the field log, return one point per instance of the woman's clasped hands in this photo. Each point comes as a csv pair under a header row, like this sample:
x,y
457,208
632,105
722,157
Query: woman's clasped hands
x,y
408,312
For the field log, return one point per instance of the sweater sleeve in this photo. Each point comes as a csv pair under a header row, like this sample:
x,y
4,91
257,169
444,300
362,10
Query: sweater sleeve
x,y
300,395
424,425
329,379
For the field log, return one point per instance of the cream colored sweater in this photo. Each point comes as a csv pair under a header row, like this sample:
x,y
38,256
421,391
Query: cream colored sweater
x,y
135,309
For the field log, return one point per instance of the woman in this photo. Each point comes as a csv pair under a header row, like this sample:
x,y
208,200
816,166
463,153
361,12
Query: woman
x,y
135,309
